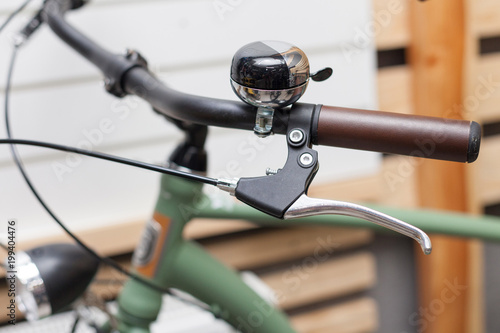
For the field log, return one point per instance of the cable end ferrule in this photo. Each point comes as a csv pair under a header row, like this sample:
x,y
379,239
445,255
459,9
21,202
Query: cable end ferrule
x,y
228,185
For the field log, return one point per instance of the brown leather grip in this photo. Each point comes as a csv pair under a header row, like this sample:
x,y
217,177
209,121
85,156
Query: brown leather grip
x,y
393,133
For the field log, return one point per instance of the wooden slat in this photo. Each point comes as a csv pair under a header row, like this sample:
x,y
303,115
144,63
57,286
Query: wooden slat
x,y
398,182
488,171
487,95
394,184
357,316
486,17
315,281
391,19
107,241
437,58
126,235
285,244
394,89
315,278
475,306
200,228
304,284
472,58
359,189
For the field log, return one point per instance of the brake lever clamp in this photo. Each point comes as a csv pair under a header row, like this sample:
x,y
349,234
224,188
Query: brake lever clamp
x,y
283,194
275,193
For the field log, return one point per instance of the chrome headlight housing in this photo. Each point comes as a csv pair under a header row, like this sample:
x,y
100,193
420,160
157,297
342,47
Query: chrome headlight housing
x,y
51,277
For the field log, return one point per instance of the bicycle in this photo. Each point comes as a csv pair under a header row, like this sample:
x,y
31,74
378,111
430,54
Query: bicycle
x,y
164,259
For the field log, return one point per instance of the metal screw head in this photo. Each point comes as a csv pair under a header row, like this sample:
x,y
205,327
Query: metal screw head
x,y
296,136
306,159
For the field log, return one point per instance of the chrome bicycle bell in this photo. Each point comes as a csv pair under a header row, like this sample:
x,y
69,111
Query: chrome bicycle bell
x,y
271,75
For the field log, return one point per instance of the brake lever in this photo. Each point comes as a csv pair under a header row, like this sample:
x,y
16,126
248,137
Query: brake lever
x,y
282,194
306,206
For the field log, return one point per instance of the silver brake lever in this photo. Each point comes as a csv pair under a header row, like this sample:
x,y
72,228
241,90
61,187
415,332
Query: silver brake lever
x,y
305,206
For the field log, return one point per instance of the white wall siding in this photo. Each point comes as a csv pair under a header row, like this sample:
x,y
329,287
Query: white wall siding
x,y
58,97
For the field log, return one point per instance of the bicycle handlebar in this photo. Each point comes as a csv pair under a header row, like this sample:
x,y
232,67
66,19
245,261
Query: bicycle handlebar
x,y
437,138
197,109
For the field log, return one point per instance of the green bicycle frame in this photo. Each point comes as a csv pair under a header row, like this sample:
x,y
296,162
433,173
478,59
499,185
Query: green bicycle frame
x,y
173,262
170,261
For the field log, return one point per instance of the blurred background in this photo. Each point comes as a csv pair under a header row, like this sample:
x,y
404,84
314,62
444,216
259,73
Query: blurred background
x,y
439,58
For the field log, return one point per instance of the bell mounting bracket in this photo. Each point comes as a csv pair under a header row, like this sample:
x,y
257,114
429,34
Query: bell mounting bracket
x,y
275,193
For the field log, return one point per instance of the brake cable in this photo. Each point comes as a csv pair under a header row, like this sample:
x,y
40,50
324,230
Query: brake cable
x,y
18,161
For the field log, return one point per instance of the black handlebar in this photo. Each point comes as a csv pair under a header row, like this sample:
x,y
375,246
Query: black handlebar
x,y
340,127
124,75
191,108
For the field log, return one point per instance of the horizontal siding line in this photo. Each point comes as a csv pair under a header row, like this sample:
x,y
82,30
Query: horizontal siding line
x,y
159,70
57,83
106,148
109,148
107,3
329,303
92,4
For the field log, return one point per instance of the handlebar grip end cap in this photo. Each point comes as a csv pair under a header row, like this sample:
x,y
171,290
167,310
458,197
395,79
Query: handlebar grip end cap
x,y
474,142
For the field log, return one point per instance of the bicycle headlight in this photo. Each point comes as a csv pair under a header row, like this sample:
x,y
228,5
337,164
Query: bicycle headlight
x,y
31,294
51,277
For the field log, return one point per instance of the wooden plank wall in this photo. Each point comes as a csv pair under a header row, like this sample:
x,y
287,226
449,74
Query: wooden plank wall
x,y
482,103
484,95
438,65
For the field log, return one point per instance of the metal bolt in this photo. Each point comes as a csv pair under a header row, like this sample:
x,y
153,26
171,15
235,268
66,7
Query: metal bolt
x,y
296,136
264,122
306,159
270,171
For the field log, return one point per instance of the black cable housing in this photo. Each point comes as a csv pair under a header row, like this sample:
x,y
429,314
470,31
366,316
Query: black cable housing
x,y
112,158
18,161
